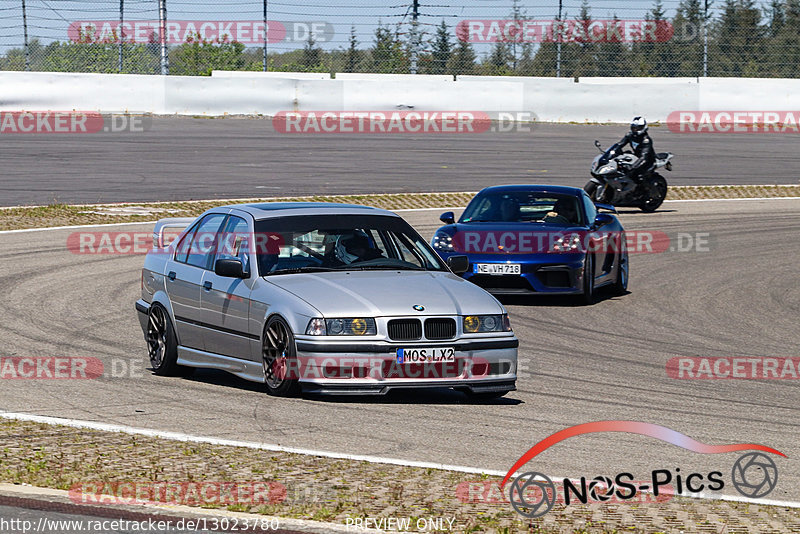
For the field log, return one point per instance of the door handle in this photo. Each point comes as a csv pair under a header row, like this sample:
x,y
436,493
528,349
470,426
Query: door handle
x,y
171,275
207,286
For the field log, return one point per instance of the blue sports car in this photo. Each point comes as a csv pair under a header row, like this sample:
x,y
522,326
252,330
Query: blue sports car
x,y
537,239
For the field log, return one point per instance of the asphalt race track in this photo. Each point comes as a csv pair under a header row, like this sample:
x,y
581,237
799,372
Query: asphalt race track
x,y
184,158
580,363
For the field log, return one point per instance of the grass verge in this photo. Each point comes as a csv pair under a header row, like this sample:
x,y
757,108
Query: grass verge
x,y
18,218
332,490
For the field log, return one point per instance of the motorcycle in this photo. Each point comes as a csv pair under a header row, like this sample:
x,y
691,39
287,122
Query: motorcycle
x,y
610,183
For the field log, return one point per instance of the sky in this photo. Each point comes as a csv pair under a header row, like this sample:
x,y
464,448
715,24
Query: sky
x,y
48,20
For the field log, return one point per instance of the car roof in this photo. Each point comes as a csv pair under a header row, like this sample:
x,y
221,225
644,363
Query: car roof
x,y
516,188
268,210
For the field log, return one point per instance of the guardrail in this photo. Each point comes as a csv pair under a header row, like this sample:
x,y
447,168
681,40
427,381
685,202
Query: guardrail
x,y
549,99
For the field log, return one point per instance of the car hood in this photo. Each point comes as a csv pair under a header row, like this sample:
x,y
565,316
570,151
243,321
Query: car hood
x,y
388,293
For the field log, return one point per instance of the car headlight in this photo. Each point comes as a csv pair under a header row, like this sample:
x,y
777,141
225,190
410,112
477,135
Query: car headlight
x,y
359,326
474,324
567,243
443,241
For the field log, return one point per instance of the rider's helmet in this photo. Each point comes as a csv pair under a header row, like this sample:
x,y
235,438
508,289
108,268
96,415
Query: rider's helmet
x,y
352,246
638,127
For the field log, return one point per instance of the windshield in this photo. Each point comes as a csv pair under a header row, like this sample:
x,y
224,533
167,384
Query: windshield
x,y
342,242
524,206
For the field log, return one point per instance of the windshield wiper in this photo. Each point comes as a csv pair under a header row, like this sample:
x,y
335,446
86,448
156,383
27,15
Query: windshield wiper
x,y
383,267
308,269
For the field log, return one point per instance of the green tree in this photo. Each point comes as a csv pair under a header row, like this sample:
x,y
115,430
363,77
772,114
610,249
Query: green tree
x,y
687,39
463,58
312,54
388,53
353,54
498,63
442,50
736,48
198,57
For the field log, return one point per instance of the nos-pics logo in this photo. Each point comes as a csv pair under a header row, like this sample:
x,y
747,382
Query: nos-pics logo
x,y
532,494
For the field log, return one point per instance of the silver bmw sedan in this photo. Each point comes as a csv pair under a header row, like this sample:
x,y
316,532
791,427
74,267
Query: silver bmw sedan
x,y
323,298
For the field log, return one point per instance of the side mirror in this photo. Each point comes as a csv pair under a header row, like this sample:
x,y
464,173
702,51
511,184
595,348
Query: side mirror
x,y
448,217
458,264
230,268
598,145
603,219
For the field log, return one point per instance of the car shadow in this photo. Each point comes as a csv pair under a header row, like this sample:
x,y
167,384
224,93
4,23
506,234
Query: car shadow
x,y
640,212
441,396
559,301
395,396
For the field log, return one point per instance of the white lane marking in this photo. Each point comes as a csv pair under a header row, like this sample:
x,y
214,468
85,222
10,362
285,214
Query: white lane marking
x,y
431,209
74,226
178,436
398,210
731,199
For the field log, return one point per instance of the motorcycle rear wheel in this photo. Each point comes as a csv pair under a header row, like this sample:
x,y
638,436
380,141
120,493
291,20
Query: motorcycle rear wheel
x,y
656,193
591,190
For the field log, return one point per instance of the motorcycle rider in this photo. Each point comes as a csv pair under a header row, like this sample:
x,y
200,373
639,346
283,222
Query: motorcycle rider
x,y
642,146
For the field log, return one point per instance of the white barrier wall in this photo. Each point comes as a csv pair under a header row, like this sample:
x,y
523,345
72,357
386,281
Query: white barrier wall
x,y
549,99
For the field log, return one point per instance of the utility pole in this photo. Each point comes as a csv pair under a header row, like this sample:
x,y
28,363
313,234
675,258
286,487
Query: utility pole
x,y
25,36
558,41
414,35
162,19
120,35
266,61
705,40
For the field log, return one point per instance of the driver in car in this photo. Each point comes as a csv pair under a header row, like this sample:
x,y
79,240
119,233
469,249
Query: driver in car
x,y
355,247
564,213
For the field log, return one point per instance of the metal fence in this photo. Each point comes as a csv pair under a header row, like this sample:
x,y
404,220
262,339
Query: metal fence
x,y
490,37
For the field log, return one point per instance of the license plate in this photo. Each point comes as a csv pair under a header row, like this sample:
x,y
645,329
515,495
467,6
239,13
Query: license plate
x,y
496,268
426,355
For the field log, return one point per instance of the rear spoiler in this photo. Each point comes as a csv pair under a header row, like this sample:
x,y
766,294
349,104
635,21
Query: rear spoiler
x,y
607,207
172,222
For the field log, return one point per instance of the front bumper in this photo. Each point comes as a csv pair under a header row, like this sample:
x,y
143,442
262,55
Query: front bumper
x,y
542,274
481,366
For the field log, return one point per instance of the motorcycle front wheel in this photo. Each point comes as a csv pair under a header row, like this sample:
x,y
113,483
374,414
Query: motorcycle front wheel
x,y
656,192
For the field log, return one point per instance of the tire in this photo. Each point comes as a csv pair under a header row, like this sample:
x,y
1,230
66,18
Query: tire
x,y
588,281
591,190
657,192
620,286
278,347
162,345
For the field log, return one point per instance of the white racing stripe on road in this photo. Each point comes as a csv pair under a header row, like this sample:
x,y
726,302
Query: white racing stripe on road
x,y
178,436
